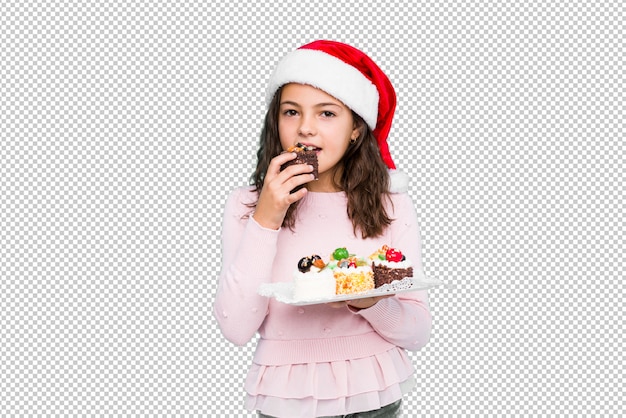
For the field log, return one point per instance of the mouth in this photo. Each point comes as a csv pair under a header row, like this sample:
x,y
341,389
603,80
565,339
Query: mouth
x,y
308,147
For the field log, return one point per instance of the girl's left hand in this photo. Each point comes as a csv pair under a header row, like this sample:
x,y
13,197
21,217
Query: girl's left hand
x,y
358,303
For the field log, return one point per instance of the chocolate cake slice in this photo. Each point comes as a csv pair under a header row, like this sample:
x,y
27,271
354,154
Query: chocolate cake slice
x,y
384,275
305,155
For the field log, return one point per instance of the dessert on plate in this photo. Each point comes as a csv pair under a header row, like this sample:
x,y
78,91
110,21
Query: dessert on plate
x,y
312,280
389,264
352,274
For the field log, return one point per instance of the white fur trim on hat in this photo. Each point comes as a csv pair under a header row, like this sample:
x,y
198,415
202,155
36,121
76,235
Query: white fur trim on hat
x,y
328,73
398,181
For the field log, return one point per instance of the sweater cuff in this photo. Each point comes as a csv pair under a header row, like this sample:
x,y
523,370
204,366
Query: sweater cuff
x,y
382,315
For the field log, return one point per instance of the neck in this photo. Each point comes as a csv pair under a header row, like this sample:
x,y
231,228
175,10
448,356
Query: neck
x,y
326,183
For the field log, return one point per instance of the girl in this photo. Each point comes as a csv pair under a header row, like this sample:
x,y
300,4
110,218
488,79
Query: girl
x,y
338,358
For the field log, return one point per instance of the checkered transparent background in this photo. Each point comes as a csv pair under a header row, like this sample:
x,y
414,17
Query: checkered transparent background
x,y
123,126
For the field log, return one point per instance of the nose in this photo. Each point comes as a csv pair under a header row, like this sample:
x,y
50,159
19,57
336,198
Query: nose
x,y
307,126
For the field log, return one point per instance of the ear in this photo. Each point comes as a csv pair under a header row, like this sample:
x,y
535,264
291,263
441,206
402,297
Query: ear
x,y
358,126
356,132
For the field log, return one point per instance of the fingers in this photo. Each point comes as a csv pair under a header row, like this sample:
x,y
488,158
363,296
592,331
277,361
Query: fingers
x,y
279,160
297,193
366,302
293,170
278,190
358,303
291,178
295,183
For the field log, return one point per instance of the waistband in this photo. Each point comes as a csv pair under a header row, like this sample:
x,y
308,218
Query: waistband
x,y
279,352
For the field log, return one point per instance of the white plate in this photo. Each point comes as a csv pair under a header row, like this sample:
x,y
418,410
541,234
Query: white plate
x,y
283,292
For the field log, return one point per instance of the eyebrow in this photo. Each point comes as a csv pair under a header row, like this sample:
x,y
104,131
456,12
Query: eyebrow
x,y
289,102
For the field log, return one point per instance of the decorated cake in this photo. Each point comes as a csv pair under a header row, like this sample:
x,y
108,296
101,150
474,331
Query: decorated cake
x,y
352,274
389,264
313,280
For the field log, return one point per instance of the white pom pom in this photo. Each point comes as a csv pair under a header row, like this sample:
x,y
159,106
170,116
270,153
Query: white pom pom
x,y
398,181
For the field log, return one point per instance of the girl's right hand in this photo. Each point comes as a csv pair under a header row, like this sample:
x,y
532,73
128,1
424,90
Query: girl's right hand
x,y
276,196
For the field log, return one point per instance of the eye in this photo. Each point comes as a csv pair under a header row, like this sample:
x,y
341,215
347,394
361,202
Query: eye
x,y
328,114
290,112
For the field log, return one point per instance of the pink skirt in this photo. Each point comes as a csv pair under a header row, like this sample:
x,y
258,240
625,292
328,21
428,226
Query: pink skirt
x,y
331,388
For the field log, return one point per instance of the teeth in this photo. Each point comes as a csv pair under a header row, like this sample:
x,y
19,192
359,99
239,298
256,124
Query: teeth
x,y
306,147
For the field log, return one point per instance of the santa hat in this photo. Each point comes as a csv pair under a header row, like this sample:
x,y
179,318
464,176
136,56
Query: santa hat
x,y
350,76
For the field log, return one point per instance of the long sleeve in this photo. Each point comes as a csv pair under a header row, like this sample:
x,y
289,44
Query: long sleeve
x,y
248,251
404,319
405,322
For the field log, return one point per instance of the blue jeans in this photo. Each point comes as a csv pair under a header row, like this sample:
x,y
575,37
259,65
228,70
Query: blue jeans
x,y
393,410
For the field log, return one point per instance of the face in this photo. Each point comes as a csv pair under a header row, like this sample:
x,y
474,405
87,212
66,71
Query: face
x,y
314,118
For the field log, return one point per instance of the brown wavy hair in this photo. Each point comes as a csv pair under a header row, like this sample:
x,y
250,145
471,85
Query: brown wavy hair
x,y
364,179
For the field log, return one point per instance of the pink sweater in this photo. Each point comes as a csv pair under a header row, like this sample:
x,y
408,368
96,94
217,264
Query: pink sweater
x,y
316,334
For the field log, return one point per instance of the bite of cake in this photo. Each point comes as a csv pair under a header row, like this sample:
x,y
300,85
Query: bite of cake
x,y
304,155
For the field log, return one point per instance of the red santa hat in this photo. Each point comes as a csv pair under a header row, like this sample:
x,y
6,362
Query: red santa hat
x,y
350,76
